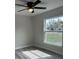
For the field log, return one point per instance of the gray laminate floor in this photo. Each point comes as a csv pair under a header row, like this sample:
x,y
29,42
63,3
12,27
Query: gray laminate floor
x,y
36,53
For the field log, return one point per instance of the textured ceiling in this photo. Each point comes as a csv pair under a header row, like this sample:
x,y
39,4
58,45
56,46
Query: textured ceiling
x,y
50,4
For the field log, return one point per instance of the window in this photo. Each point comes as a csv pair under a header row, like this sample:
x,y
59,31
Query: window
x,y
53,28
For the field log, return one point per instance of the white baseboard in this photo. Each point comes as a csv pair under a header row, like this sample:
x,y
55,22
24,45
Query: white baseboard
x,y
23,46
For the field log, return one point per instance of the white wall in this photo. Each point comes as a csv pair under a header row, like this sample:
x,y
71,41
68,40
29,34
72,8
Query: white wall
x,y
38,29
23,31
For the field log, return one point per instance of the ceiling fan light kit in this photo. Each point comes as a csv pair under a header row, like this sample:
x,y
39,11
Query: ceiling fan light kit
x,y
31,6
30,10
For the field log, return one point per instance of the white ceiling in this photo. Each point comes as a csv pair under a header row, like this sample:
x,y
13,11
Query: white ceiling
x,y
50,4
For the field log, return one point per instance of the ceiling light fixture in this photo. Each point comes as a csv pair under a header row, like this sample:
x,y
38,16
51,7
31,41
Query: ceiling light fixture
x,y
30,10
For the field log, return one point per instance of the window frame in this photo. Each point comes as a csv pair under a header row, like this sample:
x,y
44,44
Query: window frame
x,y
44,27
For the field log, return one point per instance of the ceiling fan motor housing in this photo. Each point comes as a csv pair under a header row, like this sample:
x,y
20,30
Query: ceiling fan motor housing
x,y
30,4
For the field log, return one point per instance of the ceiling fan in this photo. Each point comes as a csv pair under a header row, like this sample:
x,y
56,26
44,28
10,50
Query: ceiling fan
x,y
31,6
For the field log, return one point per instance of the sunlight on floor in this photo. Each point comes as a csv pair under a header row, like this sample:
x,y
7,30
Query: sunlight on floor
x,y
30,55
36,54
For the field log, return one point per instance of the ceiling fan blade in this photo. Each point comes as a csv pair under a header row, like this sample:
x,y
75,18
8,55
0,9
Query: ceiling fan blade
x,y
21,10
39,7
36,2
21,5
25,1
